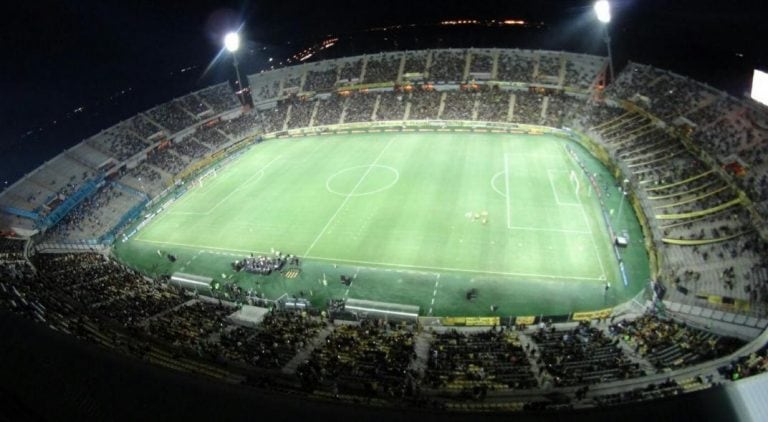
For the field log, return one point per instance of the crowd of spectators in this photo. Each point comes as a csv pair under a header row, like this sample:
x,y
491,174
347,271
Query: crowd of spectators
x,y
90,296
668,344
277,339
392,106
527,108
329,110
191,148
11,249
669,96
219,97
144,178
118,142
447,66
320,80
166,160
382,68
746,366
415,62
91,217
516,66
459,105
142,126
265,90
485,360
103,290
172,116
238,128
584,355
273,120
360,107
481,63
424,105
549,65
372,357
194,105
191,325
300,112
493,105
350,71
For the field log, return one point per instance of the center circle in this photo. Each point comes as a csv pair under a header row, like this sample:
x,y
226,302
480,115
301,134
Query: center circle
x,y
362,180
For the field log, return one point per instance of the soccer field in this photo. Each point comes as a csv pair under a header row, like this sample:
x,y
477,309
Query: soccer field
x,y
419,218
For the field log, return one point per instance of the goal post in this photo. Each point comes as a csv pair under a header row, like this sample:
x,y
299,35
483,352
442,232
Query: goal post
x,y
209,173
575,181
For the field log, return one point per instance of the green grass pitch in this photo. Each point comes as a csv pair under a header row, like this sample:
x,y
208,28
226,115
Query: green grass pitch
x,y
419,218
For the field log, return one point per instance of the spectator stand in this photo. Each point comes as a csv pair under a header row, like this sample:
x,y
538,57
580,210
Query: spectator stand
x,y
292,78
321,77
219,97
172,117
447,66
194,105
12,250
350,71
415,66
482,64
516,66
265,87
473,362
392,106
382,68
360,107
549,68
90,156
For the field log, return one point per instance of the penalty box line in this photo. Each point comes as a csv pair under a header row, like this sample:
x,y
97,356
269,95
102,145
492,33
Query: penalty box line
x,y
258,175
586,218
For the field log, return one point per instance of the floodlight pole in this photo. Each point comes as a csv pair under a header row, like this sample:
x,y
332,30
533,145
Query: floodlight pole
x,y
239,81
607,39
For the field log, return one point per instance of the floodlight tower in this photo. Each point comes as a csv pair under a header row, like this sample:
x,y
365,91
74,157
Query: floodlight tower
x,y
603,13
232,43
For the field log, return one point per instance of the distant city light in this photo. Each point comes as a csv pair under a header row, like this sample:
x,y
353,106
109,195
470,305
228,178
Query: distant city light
x,y
603,11
232,42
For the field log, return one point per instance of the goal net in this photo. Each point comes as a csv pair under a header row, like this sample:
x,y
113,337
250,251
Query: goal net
x,y
207,175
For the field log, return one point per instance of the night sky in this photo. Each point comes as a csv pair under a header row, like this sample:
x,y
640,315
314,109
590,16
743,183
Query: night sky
x,y
115,59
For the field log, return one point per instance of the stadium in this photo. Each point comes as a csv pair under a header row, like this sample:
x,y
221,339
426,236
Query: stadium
x,y
475,230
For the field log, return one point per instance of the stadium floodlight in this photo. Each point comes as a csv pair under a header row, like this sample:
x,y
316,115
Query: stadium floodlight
x,y
603,11
232,42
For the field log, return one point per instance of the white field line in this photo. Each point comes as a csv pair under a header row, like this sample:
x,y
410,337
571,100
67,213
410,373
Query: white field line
x,y
424,269
187,245
259,174
586,219
346,199
449,269
541,229
506,188
434,294
554,190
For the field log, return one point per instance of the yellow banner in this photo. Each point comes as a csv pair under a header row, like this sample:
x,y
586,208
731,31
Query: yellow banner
x,y
525,320
471,321
586,316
